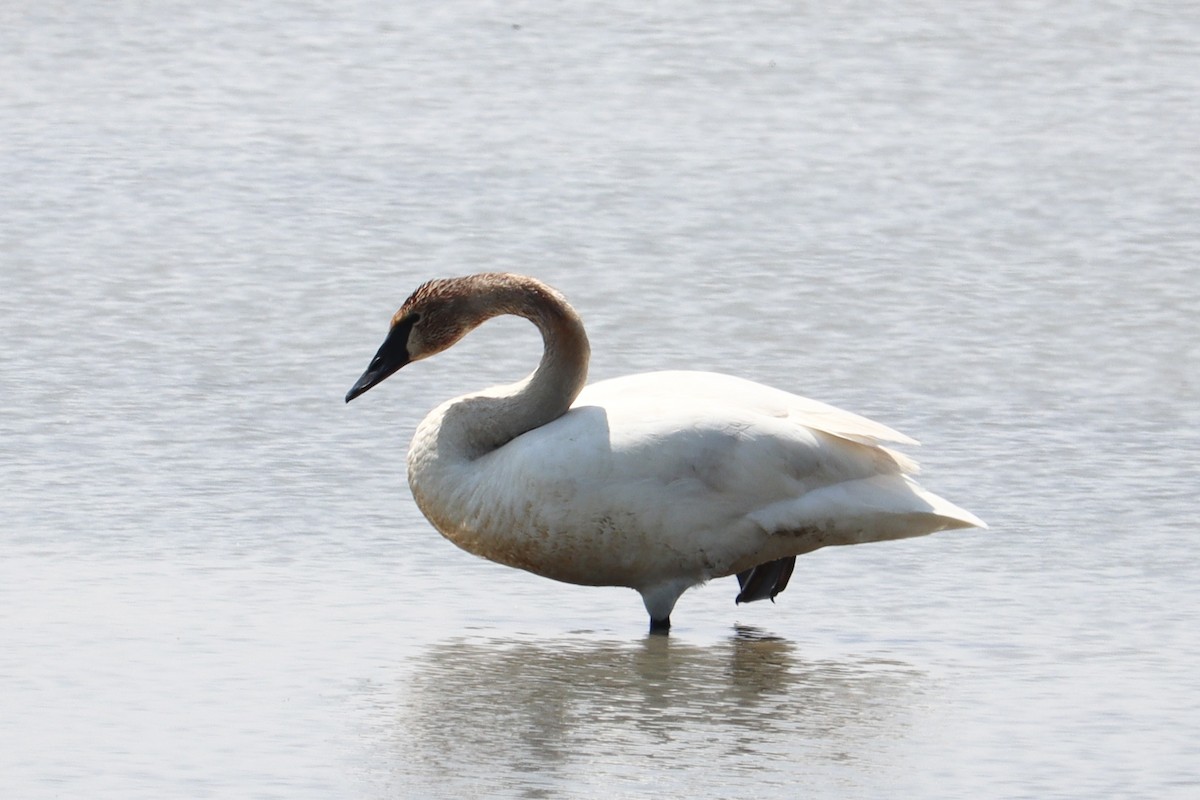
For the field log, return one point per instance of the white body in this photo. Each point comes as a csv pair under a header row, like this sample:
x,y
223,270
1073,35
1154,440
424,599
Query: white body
x,y
663,480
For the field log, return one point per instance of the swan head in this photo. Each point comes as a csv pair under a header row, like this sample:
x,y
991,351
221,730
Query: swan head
x,y
433,318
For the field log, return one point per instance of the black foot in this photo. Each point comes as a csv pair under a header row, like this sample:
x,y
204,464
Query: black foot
x,y
662,626
765,581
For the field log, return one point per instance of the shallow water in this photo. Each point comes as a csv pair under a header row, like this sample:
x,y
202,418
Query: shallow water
x,y
976,224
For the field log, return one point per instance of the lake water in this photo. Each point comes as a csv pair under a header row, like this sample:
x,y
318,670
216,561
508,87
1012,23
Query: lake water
x,y
975,222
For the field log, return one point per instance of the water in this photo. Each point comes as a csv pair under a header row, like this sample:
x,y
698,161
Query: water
x,y
976,223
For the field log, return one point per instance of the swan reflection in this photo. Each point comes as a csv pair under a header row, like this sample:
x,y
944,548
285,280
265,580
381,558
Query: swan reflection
x,y
534,717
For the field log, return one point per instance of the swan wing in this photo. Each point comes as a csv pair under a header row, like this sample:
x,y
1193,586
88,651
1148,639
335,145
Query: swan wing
x,y
803,464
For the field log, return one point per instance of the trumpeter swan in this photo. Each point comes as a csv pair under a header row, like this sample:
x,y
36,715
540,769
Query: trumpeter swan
x,y
658,481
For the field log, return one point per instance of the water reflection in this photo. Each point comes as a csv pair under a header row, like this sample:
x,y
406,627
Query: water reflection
x,y
536,717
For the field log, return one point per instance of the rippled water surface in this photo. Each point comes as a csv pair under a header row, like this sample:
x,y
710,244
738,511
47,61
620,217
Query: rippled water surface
x,y
974,222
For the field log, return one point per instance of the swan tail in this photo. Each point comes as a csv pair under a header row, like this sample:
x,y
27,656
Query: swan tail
x,y
875,509
765,581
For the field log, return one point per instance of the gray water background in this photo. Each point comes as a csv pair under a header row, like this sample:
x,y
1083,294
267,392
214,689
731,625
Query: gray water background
x,y
976,222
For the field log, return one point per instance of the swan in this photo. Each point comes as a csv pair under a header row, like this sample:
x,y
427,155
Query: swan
x,y
657,481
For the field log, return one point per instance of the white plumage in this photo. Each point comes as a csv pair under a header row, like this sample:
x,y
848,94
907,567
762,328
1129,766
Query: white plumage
x,y
657,481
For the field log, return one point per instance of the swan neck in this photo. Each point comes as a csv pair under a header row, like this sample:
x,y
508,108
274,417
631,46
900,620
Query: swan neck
x,y
497,416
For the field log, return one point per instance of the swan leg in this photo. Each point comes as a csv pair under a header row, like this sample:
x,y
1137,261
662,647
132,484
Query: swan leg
x,y
765,581
660,601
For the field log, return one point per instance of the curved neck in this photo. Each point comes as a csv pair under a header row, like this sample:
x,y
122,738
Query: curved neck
x,y
483,422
